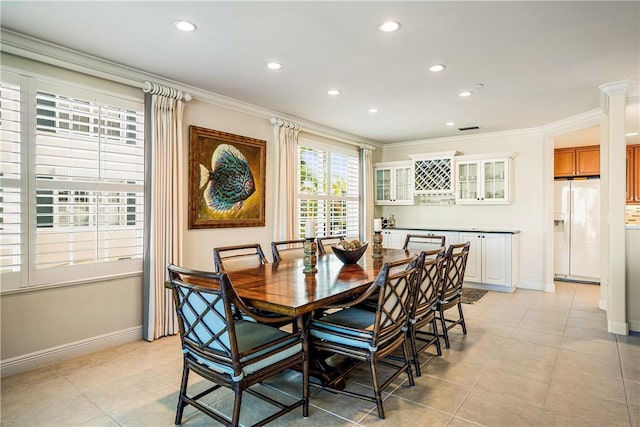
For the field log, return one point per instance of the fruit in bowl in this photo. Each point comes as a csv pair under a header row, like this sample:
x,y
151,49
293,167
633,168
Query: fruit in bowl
x,y
349,252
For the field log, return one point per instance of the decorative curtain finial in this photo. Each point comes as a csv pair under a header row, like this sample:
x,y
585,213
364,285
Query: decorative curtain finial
x,y
169,92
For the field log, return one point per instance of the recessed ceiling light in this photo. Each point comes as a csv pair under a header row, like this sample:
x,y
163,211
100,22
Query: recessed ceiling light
x,y
389,26
436,68
373,110
477,86
185,26
274,65
333,92
450,123
465,93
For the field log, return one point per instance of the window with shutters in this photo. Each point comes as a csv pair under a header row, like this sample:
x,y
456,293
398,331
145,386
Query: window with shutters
x,y
328,190
71,203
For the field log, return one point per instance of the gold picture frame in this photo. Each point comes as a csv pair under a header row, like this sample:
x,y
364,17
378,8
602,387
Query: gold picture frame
x,y
227,176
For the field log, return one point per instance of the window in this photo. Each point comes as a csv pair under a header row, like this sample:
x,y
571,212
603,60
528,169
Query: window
x,y
328,190
71,195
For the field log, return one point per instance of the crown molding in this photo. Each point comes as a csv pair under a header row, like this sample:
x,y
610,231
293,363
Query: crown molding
x,y
49,53
459,138
573,123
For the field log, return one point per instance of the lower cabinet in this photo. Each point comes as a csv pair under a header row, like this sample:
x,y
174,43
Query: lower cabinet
x,y
493,259
393,239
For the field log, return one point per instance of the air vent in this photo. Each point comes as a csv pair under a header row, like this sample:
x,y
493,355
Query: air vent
x,y
468,128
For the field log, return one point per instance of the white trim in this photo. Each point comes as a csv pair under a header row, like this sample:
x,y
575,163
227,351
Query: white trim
x,y
602,304
536,286
570,124
634,325
618,328
49,53
37,359
420,143
549,287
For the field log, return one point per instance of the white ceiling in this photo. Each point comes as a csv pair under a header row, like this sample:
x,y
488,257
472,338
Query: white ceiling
x,y
539,62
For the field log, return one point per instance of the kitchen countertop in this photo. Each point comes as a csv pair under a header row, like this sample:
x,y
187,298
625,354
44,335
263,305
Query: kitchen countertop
x,y
632,227
472,229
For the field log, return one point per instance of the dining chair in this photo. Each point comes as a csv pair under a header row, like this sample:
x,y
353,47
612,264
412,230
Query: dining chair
x,y
370,336
325,243
228,351
451,289
285,250
423,242
229,258
425,304
238,257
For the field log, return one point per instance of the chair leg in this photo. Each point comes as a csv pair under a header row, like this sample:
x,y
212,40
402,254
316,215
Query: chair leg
x,y
237,402
445,333
462,322
183,393
414,350
376,387
405,352
434,325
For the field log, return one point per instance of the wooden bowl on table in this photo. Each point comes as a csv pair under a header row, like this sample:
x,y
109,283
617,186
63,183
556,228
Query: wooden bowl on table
x,y
350,256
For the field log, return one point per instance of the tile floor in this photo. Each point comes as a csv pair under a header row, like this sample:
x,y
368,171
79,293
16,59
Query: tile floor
x,y
529,359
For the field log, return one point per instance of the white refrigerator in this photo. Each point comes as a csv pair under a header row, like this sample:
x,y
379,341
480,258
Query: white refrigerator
x,y
576,226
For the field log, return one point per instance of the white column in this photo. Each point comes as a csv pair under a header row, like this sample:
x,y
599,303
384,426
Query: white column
x,y
613,158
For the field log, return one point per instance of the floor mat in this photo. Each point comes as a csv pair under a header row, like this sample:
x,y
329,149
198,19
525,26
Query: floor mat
x,y
471,295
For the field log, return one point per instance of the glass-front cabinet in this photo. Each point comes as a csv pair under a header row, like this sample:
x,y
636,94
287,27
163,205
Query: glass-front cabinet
x,y
394,183
481,181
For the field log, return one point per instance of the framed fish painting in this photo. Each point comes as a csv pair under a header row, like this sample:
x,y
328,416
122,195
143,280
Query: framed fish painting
x,y
226,179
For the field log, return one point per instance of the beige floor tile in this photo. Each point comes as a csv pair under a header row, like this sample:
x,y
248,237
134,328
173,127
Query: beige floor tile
x,y
536,325
403,413
522,366
435,393
602,411
496,409
633,393
595,324
547,315
347,407
492,327
536,337
593,346
529,391
599,365
631,369
549,419
591,385
461,422
463,373
523,349
66,410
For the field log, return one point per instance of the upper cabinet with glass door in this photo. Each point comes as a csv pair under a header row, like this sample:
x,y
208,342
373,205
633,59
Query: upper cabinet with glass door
x,y
481,180
394,183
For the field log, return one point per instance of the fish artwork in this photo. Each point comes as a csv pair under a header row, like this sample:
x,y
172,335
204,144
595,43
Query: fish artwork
x,y
229,182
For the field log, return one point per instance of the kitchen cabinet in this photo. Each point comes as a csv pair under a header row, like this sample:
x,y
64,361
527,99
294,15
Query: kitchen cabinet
x,y
433,173
484,181
393,239
493,259
633,174
394,183
576,161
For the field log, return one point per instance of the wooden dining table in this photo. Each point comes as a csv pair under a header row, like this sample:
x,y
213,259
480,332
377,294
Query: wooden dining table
x,y
284,288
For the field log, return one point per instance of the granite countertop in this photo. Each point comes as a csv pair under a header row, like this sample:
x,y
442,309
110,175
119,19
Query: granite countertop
x,y
473,229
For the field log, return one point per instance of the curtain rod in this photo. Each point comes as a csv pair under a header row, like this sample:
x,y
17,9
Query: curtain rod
x,y
158,89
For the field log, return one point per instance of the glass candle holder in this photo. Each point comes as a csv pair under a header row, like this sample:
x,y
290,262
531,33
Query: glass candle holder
x,y
310,248
377,244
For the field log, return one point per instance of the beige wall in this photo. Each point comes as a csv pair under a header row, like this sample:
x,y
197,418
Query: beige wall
x,y
37,320
526,213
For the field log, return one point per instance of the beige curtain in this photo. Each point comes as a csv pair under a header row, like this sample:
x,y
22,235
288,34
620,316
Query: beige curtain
x,y
367,192
286,164
165,208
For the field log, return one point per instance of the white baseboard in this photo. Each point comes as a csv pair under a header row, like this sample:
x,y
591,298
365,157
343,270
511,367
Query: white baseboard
x,y
37,359
602,304
618,328
537,286
634,325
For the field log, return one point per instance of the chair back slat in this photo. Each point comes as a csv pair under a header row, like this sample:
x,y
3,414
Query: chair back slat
x,y
453,277
428,284
423,242
286,250
205,315
394,299
325,243
229,258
